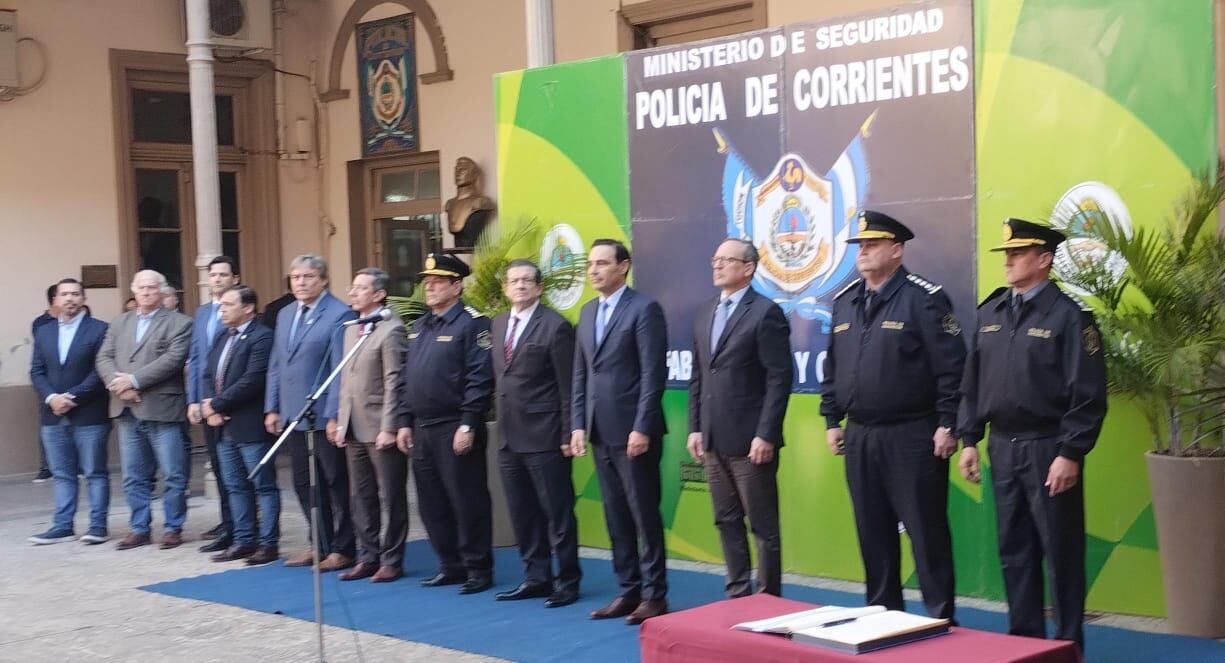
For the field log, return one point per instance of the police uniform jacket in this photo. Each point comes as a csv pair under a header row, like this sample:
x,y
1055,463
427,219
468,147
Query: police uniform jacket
x,y
1039,374
899,361
448,375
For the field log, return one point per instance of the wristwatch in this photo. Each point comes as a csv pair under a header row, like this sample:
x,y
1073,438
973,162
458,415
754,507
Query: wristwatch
x,y
465,428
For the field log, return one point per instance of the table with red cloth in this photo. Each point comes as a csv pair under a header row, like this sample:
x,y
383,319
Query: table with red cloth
x,y
704,635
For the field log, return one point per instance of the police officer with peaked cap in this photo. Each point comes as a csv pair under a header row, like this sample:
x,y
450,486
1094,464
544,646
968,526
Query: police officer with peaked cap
x,y
892,370
1035,373
448,383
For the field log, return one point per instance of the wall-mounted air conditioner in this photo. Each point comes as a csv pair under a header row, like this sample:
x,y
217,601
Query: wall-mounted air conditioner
x,y
239,25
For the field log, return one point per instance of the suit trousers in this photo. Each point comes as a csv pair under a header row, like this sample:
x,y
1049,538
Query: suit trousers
x,y
1032,526
739,488
540,495
631,491
894,476
335,519
212,437
378,479
453,498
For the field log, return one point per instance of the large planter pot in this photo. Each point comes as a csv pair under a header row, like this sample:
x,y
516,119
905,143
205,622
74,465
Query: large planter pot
x,y
1189,505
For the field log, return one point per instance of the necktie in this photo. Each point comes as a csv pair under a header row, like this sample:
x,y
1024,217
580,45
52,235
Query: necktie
x,y
223,362
601,322
299,325
510,338
868,296
720,323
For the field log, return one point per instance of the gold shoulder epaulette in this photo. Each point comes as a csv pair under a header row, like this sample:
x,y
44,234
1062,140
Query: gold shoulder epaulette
x,y
473,312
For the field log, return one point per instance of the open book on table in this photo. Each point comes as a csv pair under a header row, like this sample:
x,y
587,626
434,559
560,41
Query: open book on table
x,y
851,630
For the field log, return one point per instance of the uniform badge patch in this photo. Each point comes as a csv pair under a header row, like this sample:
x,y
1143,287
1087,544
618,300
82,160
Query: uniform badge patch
x,y
987,329
895,325
842,327
951,327
1093,341
484,340
1038,332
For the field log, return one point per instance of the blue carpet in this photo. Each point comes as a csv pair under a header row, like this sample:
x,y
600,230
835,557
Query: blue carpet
x,y
526,631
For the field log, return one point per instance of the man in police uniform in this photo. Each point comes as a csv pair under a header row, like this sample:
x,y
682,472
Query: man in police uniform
x,y
892,370
1036,373
448,381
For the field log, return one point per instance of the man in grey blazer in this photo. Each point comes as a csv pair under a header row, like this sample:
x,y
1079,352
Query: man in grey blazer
x,y
141,364
619,375
306,332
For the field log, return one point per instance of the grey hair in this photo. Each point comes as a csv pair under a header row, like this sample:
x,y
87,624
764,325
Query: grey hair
x,y
750,251
380,278
157,276
312,261
169,290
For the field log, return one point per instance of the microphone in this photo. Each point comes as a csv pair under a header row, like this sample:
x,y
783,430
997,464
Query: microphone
x,y
380,315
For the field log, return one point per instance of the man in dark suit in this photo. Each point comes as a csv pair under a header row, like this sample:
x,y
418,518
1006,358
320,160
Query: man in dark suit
x,y
74,420
533,367
301,359
233,384
619,375
368,419
738,393
222,274
141,362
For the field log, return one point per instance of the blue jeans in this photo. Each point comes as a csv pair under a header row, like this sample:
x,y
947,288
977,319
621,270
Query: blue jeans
x,y
143,447
73,450
237,461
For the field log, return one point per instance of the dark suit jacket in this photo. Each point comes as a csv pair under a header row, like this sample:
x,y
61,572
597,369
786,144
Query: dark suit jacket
x,y
75,376
245,380
740,390
619,384
533,392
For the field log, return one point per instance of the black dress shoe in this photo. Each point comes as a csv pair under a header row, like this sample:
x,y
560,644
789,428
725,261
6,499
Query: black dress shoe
x,y
216,545
264,555
527,590
442,579
234,553
560,598
476,584
216,532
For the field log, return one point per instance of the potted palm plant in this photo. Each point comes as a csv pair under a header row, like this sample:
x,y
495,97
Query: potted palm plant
x,y
1162,318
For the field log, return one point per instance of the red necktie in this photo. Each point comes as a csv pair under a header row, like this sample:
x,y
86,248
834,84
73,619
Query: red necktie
x,y
510,338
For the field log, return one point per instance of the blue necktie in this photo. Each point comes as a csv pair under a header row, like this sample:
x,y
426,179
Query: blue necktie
x,y
601,322
716,329
299,325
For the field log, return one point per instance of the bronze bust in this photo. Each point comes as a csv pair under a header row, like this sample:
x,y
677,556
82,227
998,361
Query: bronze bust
x,y
469,211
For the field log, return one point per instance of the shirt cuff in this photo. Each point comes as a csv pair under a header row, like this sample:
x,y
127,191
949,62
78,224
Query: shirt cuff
x,y
135,384
47,400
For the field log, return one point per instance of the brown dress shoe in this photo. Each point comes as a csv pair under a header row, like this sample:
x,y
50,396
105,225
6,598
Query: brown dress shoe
x,y
619,607
335,562
234,553
263,555
171,540
387,574
133,541
647,610
301,559
359,571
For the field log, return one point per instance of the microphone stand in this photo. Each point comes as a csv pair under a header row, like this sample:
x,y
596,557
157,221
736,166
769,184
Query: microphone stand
x,y
308,413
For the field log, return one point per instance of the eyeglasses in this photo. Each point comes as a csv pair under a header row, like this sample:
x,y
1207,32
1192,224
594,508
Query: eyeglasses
x,y
719,261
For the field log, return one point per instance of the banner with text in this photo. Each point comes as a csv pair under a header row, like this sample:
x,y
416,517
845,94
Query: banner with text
x,y
781,137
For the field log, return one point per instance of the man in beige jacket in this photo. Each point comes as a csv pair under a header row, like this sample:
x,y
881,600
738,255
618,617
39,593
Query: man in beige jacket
x,y
366,425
